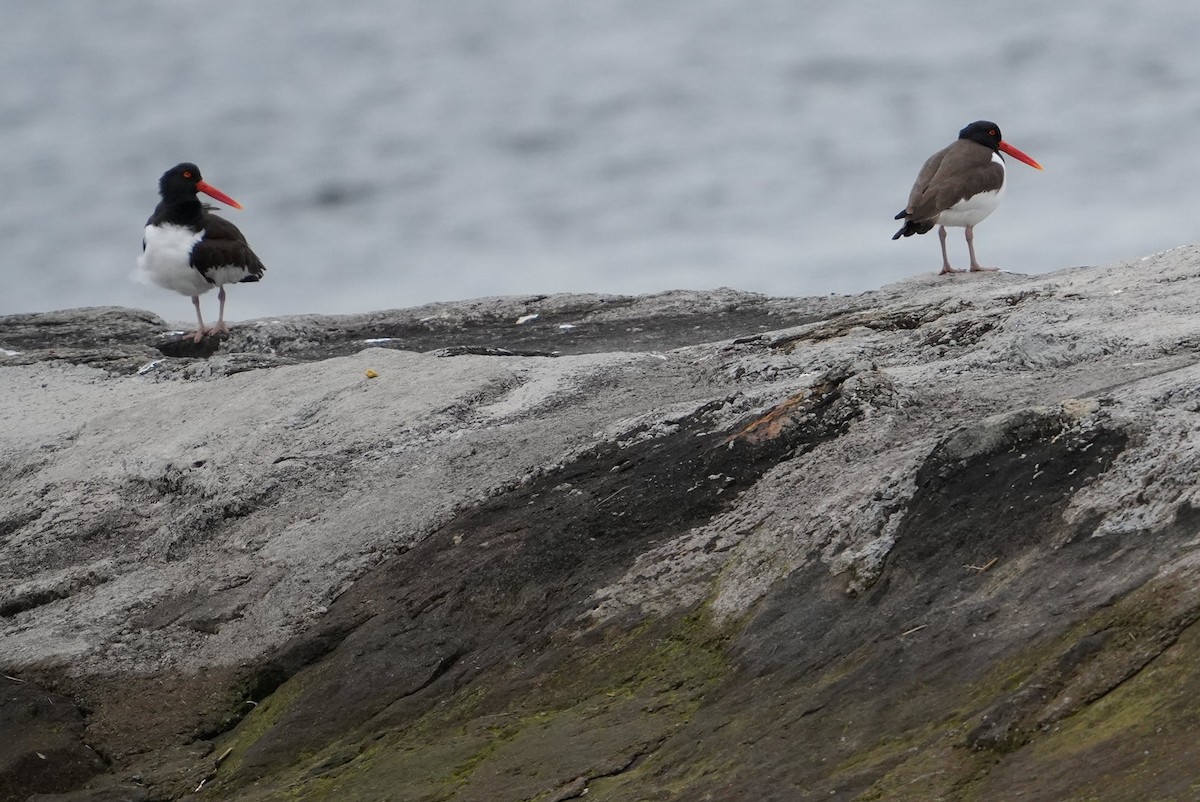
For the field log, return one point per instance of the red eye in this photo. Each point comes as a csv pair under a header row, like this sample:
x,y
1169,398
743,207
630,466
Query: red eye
x,y
991,132
188,173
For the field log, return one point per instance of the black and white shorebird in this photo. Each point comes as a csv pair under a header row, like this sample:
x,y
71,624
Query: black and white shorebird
x,y
960,185
188,249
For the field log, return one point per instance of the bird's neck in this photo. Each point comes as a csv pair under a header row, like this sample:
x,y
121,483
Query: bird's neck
x,y
181,212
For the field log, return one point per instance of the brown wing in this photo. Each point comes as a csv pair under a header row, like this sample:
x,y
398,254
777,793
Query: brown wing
x,y
225,246
928,170
960,171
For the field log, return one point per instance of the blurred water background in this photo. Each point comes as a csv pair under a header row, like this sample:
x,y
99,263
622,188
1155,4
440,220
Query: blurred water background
x,y
394,152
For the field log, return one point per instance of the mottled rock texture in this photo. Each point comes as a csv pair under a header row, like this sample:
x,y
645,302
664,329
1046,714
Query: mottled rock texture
x,y
936,541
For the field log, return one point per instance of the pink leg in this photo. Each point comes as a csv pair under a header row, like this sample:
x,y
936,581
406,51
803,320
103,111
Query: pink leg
x,y
221,326
946,268
199,335
975,268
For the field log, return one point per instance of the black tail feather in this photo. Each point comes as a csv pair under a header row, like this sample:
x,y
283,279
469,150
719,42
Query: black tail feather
x,y
913,227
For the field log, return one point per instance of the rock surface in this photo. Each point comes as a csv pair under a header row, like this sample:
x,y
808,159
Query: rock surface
x,y
936,541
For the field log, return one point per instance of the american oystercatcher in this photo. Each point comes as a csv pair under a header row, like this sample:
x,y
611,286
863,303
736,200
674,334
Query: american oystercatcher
x,y
960,185
188,249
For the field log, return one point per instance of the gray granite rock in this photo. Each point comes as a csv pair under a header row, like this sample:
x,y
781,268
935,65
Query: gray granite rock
x,y
666,546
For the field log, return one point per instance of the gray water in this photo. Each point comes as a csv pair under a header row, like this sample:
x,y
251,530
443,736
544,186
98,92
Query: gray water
x,y
394,152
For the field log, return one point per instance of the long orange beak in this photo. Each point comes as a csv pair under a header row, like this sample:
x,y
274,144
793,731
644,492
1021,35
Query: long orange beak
x,y
1011,151
213,192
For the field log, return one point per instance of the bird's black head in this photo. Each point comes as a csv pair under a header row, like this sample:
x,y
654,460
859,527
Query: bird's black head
x,y
984,132
180,182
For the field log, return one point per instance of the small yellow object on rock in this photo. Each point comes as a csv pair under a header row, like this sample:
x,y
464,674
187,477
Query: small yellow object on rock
x,y
371,374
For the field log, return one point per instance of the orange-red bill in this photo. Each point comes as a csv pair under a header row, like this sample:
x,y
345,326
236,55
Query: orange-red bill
x,y
213,192
1016,154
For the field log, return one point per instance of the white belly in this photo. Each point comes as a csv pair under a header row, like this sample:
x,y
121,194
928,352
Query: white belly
x,y
229,274
166,259
975,208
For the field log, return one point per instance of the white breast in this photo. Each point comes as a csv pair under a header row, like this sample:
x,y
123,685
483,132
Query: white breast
x,y
972,210
166,260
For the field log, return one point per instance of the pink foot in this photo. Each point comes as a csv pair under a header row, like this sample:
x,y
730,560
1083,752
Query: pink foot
x,y
948,269
978,269
221,328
